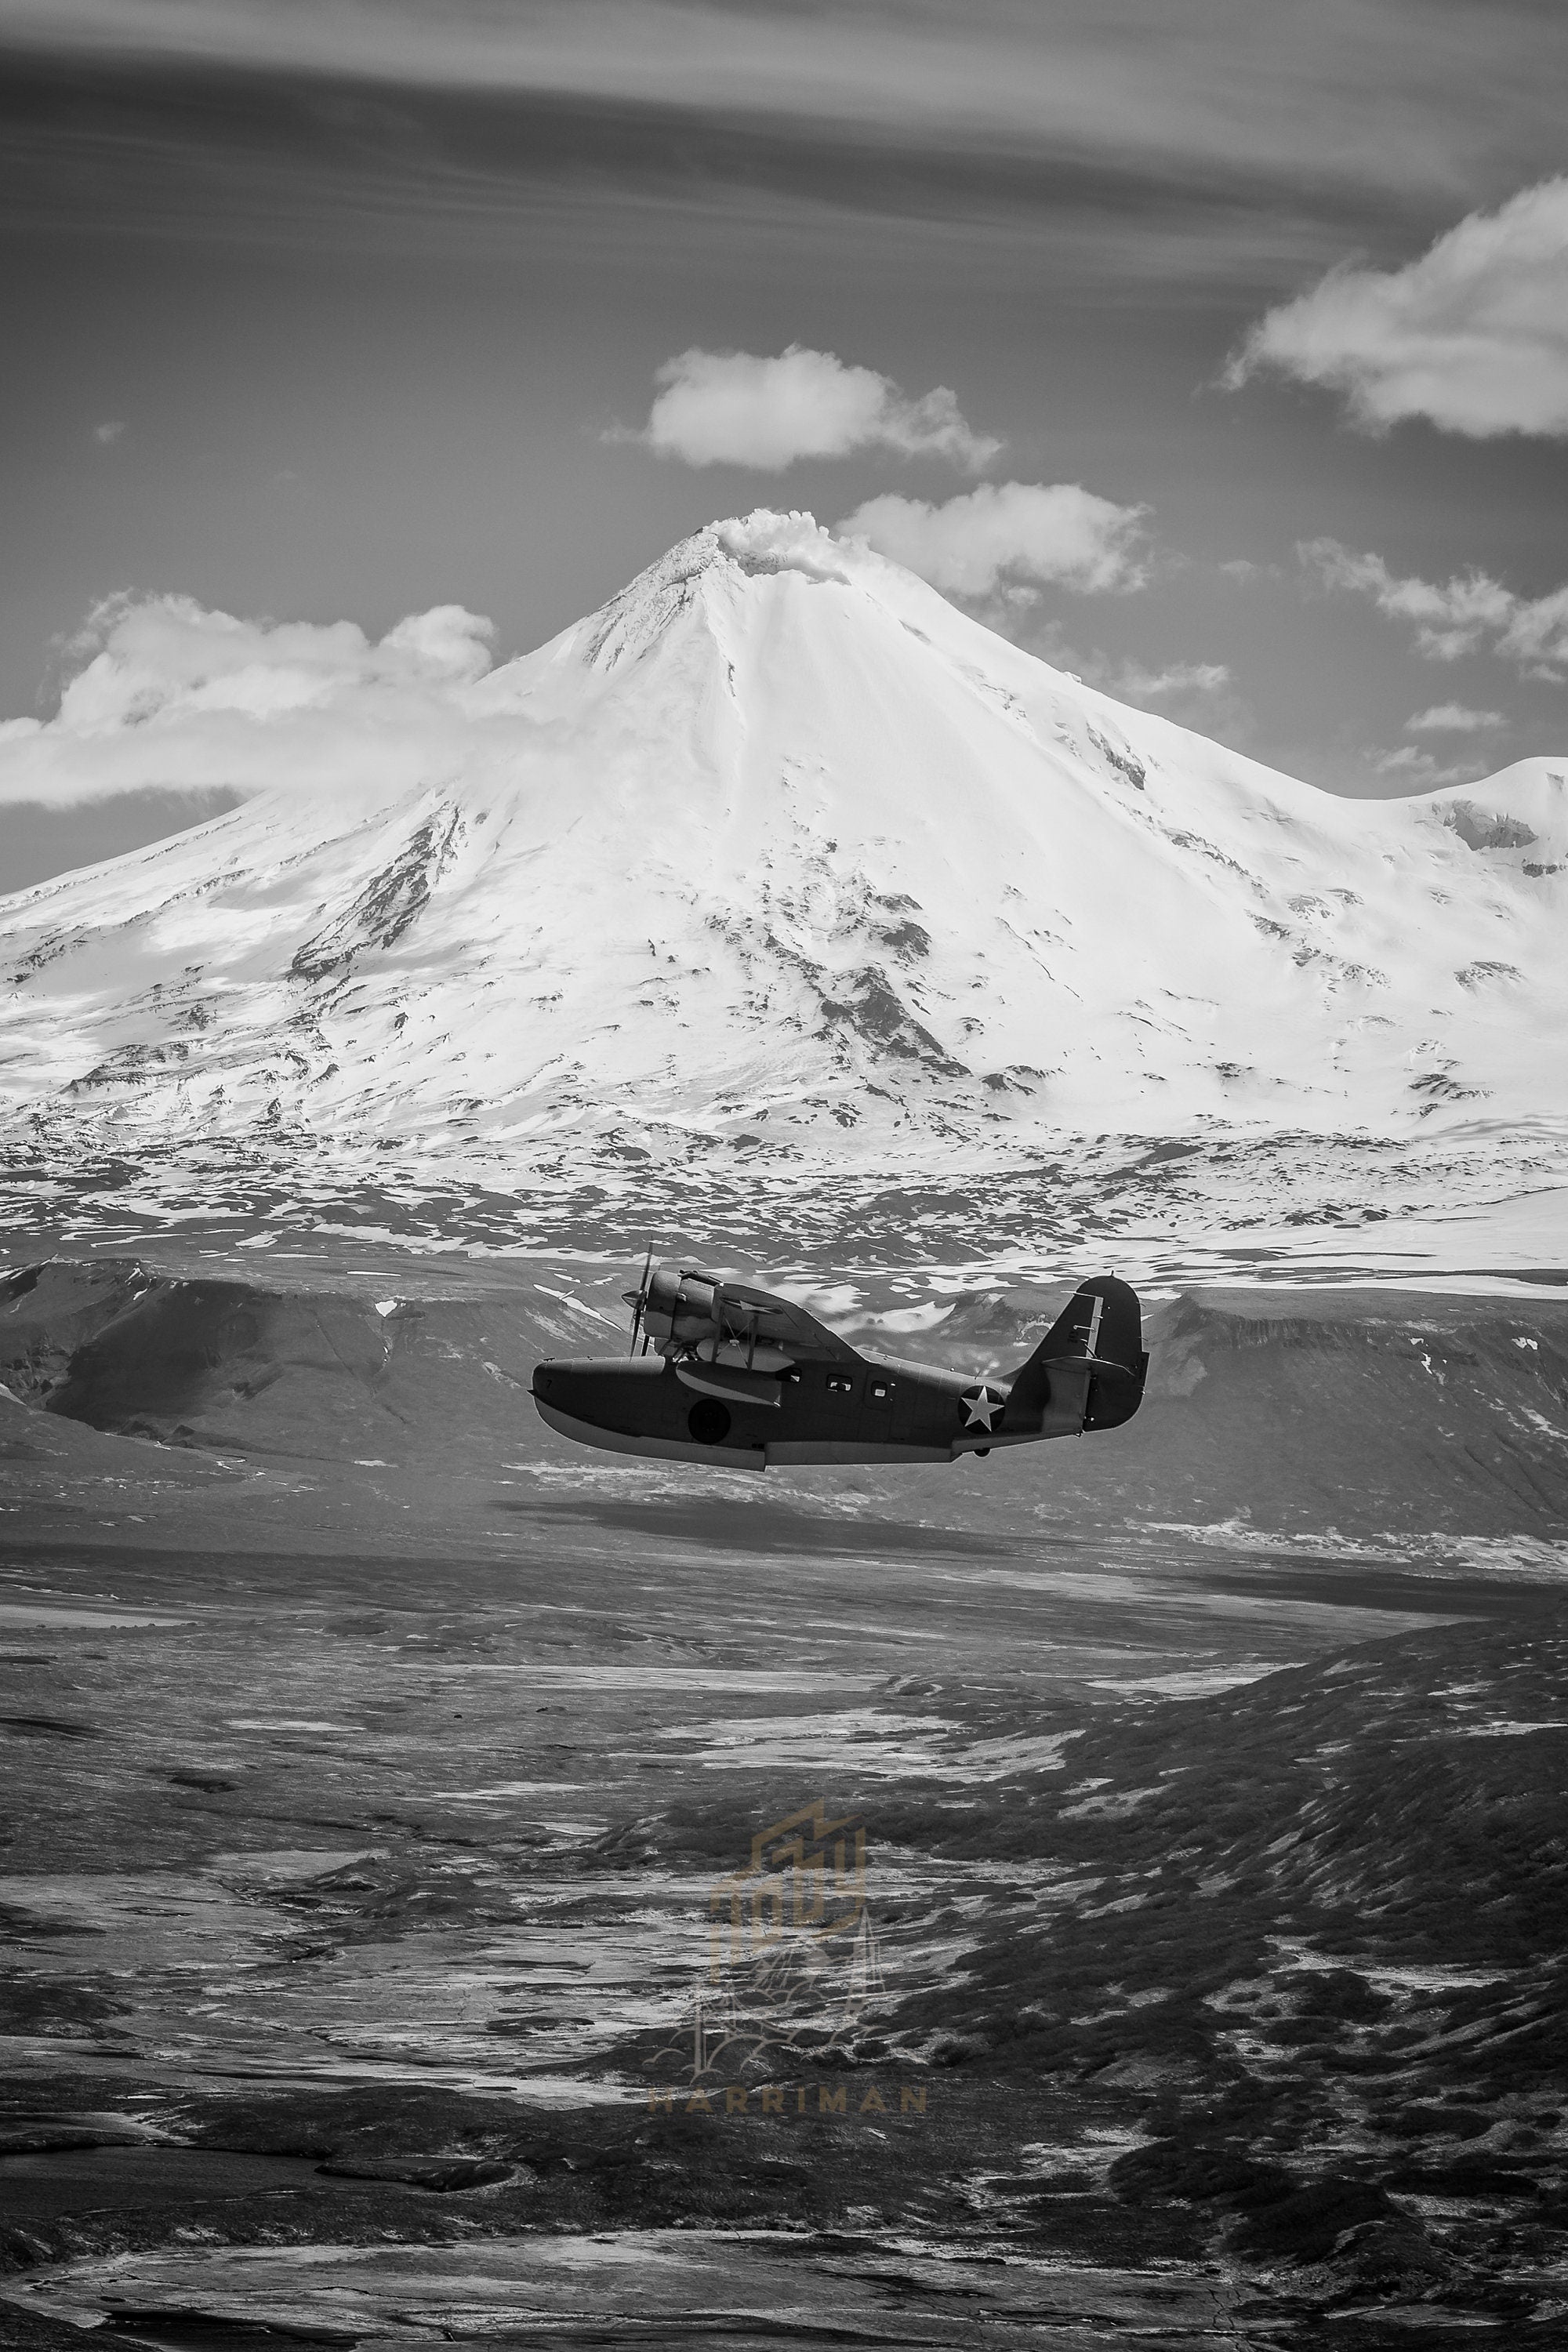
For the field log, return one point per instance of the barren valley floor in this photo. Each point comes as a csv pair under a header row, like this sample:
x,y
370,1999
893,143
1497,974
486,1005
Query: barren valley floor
x,y
387,1960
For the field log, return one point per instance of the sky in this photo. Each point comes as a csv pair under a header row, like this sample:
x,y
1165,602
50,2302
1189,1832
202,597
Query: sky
x,y
1218,354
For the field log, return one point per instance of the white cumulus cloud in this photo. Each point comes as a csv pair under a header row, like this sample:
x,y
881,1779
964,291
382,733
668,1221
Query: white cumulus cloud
x,y
1473,336
1462,616
1452,719
167,696
1537,634
1007,532
733,408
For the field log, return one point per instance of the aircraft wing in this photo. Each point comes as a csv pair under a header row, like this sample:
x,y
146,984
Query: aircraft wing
x,y
786,1325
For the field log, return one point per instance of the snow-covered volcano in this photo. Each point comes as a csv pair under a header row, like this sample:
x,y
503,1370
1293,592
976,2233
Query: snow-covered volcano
x,y
779,841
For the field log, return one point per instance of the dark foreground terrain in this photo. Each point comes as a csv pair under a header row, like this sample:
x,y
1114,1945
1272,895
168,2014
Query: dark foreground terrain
x,y
389,1961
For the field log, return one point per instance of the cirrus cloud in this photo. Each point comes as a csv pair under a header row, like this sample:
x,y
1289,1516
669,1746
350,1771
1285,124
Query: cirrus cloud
x,y
735,408
1473,336
1008,532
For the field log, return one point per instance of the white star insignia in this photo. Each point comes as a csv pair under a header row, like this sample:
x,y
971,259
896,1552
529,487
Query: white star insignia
x,y
982,1408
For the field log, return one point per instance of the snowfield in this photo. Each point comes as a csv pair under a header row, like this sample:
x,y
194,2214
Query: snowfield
x,y
779,848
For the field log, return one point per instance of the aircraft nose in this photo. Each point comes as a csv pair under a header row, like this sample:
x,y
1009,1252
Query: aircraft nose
x,y
566,1386
584,1391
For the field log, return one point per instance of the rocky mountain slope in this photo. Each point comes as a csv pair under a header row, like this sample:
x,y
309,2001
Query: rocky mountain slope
x,y
780,847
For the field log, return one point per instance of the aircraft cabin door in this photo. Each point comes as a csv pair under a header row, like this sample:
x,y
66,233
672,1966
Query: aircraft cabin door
x,y
877,1409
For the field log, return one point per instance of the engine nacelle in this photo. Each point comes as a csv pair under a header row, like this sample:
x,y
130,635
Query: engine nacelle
x,y
691,1315
684,1309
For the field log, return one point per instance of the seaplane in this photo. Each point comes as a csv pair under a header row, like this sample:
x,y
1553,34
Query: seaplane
x,y
722,1373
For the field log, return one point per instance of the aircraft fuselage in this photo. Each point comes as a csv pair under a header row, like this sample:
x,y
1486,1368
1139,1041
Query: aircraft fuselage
x,y
861,1409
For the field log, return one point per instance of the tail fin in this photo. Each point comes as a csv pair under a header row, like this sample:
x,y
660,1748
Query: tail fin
x,y
1095,1349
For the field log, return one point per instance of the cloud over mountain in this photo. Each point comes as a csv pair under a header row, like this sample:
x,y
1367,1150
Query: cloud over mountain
x,y
168,696
1007,532
1141,685
1473,336
736,408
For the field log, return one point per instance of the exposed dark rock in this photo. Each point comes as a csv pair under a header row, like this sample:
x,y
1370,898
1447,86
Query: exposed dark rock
x,y
1481,829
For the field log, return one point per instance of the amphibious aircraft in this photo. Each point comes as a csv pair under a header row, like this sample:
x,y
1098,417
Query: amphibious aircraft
x,y
726,1373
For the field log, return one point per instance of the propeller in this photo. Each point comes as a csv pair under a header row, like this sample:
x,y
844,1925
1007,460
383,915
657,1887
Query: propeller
x,y
638,1300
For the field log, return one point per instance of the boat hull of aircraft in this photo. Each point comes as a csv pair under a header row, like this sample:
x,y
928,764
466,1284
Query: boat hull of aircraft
x,y
745,1381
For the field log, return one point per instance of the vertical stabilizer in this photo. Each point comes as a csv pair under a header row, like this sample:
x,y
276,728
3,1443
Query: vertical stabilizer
x,y
1093,1352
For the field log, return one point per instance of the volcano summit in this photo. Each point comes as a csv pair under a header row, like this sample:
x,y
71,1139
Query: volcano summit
x,y
779,844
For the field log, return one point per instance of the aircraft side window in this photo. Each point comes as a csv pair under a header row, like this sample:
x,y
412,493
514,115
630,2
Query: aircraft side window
x,y
840,1384
881,1391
